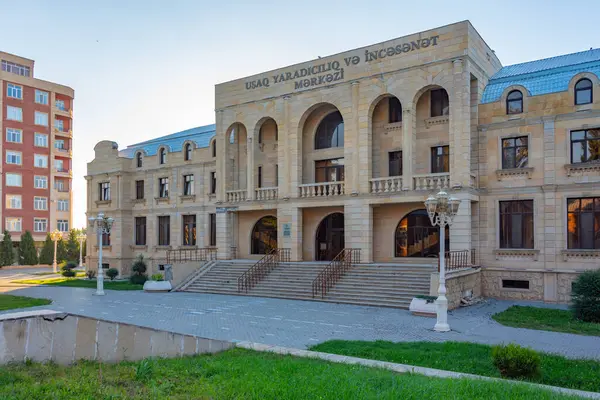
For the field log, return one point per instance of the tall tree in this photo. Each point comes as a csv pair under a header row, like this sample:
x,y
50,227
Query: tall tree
x,y
27,251
47,253
7,256
61,251
73,246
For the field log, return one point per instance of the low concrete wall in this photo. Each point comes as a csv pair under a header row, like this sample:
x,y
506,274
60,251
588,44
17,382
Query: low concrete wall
x,y
182,270
46,335
458,285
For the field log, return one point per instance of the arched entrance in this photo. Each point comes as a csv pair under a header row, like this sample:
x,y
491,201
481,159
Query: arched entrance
x,y
416,237
330,237
264,235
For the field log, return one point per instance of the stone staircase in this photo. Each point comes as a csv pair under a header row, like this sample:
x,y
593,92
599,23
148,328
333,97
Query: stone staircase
x,y
221,278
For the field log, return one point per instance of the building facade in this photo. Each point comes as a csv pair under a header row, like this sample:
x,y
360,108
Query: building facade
x,y
36,124
341,152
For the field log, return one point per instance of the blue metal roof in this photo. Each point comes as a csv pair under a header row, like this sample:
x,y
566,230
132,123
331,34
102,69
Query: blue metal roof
x,y
201,136
549,75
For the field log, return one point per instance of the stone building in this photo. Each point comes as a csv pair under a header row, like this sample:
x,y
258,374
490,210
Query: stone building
x,y
340,152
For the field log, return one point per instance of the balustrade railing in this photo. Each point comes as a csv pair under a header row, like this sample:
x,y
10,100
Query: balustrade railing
x,y
459,259
184,255
431,181
390,184
322,189
262,268
236,196
334,271
266,193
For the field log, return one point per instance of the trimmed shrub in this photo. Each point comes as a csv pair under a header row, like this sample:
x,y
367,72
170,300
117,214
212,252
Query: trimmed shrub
x,y
27,252
112,273
68,269
90,273
138,279
586,296
7,256
139,266
157,277
514,361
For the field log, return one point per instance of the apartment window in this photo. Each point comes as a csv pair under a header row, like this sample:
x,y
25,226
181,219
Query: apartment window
x,y
14,113
59,165
14,135
162,156
164,231
14,201
260,181
61,185
188,152
13,179
13,224
41,118
583,223
514,284
514,152
105,239
583,92
140,231
395,163
63,205
40,182
440,105
104,191
62,225
329,170
139,190
213,182
395,110
14,91
514,102
40,140
40,160
188,185
59,144
41,97
40,224
516,224
59,124
139,162
189,230
14,157
163,187
213,229
440,159
14,68
585,145
40,203
60,105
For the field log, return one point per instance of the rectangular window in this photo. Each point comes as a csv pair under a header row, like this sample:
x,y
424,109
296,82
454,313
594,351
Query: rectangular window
x,y
14,135
40,160
13,179
516,224
14,68
259,177
188,185
61,185
189,230
276,174
40,224
514,152
213,229
40,140
105,266
440,105
59,144
213,182
105,239
164,231
140,231
585,146
41,97
14,113
440,159
395,163
41,118
62,225
104,191
163,187
14,201
395,110
329,170
40,203
63,205
583,223
14,157
59,124
60,105
139,190
514,284
14,91
59,165
13,224
40,182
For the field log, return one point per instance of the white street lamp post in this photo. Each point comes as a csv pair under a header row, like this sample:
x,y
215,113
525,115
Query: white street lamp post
x,y
81,237
103,225
55,235
442,209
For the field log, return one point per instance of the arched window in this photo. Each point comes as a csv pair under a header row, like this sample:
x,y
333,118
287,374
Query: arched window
x,y
514,102
395,110
232,136
162,156
330,132
583,92
188,152
260,134
214,148
264,236
416,237
139,161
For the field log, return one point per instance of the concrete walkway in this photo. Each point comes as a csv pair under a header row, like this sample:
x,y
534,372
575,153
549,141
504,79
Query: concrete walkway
x,y
298,324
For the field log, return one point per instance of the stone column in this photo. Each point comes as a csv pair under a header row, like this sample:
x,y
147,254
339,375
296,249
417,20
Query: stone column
x,y
355,142
289,216
250,172
460,230
358,228
222,151
224,236
294,143
283,151
549,242
460,125
408,144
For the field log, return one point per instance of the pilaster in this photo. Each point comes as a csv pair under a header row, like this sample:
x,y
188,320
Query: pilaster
x,y
250,172
283,149
460,230
289,230
358,228
355,142
221,157
460,125
224,236
408,145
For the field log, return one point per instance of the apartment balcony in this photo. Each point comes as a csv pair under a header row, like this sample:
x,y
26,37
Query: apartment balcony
x,y
62,189
236,196
63,132
63,152
431,182
389,184
63,112
321,189
266,193
65,172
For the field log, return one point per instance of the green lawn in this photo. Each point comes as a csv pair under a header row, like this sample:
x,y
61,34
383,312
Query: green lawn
x,y
546,319
9,302
84,283
243,374
468,357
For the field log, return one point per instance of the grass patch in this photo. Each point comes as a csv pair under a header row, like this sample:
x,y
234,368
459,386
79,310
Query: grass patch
x,y
243,374
10,302
546,319
470,358
83,283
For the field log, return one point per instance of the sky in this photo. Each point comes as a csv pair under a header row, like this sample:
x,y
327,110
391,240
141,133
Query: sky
x,y
142,69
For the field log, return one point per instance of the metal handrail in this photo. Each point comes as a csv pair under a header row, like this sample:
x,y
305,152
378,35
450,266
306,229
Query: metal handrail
x,y
183,255
458,259
259,270
334,271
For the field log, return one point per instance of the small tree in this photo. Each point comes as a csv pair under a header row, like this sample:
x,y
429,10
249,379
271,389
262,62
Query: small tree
x,y
73,246
6,250
586,295
61,251
47,253
27,251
